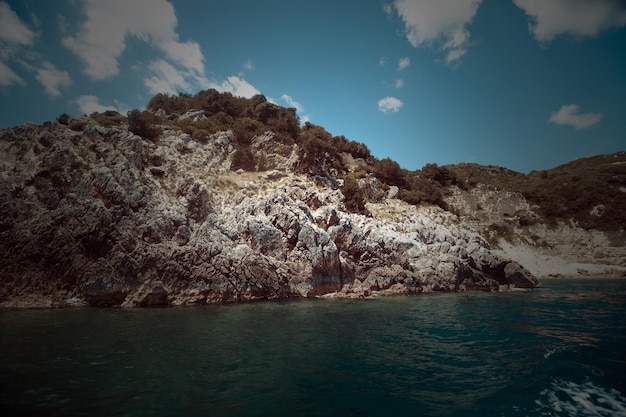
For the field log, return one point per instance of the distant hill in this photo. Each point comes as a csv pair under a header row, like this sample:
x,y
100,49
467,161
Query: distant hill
x,y
590,191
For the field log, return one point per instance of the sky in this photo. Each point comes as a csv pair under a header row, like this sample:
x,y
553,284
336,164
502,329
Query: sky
x,y
523,84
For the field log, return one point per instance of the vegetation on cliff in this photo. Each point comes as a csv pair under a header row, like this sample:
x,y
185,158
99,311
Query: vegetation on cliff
x,y
320,154
590,191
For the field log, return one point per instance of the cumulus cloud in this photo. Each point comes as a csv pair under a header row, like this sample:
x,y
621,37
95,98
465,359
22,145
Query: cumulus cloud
x,y
14,35
399,83
388,8
52,79
8,77
248,65
186,54
12,30
438,23
236,86
570,115
288,100
88,104
389,104
403,63
582,18
102,36
291,102
165,78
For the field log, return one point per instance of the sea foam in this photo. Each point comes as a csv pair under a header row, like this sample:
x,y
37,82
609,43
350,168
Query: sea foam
x,y
567,398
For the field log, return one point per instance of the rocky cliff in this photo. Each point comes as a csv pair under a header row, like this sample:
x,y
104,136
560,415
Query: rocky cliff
x,y
589,241
95,214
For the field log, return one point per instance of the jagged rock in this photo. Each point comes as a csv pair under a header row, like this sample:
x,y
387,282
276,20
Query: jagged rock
x,y
194,115
519,276
105,218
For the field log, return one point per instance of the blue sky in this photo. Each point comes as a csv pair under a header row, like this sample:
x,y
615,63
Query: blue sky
x,y
524,84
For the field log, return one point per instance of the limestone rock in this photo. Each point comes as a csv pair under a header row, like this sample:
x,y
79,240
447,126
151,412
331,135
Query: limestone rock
x,y
105,218
517,232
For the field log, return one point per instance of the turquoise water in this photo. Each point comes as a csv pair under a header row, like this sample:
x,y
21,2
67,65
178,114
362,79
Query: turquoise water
x,y
555,351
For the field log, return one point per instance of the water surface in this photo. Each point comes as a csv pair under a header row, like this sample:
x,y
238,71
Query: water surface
x,y
555,351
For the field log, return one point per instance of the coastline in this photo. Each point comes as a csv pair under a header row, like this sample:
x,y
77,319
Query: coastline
x,y
545,266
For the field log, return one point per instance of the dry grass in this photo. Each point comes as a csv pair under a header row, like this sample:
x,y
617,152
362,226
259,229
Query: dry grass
x,y
393,210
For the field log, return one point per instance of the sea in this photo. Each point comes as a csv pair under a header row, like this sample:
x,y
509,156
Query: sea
x,y
559,350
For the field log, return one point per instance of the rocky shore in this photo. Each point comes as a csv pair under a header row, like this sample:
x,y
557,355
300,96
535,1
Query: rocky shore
x,y
100,216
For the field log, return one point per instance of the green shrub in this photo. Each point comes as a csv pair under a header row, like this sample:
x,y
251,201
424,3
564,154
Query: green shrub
x,y
201,135
64,119
245,129
390,172
353,197
144,124
108,118
77,125
171,104
356,149
243,158
420,190
282,149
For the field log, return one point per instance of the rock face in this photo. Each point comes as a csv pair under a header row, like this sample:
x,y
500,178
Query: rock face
x,y
517,231
106,218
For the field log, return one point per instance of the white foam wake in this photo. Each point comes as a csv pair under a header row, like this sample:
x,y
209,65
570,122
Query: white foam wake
x,y
566,398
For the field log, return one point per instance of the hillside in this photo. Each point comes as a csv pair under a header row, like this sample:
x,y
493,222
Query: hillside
x,y
214,198
590,191
566,221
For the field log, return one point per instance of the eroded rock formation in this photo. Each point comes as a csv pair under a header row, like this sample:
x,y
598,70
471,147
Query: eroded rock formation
x,y
104,217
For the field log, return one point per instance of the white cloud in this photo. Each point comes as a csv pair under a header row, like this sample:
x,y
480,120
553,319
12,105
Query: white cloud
x,y
14,35
88,104
403,63
382,62
287,99
8,77
431,23
548,19
399,83
389,104
248,65
388,8
186,54
570,115
455,55
12,29
291,102
236,86
52,79
102,36
165,78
